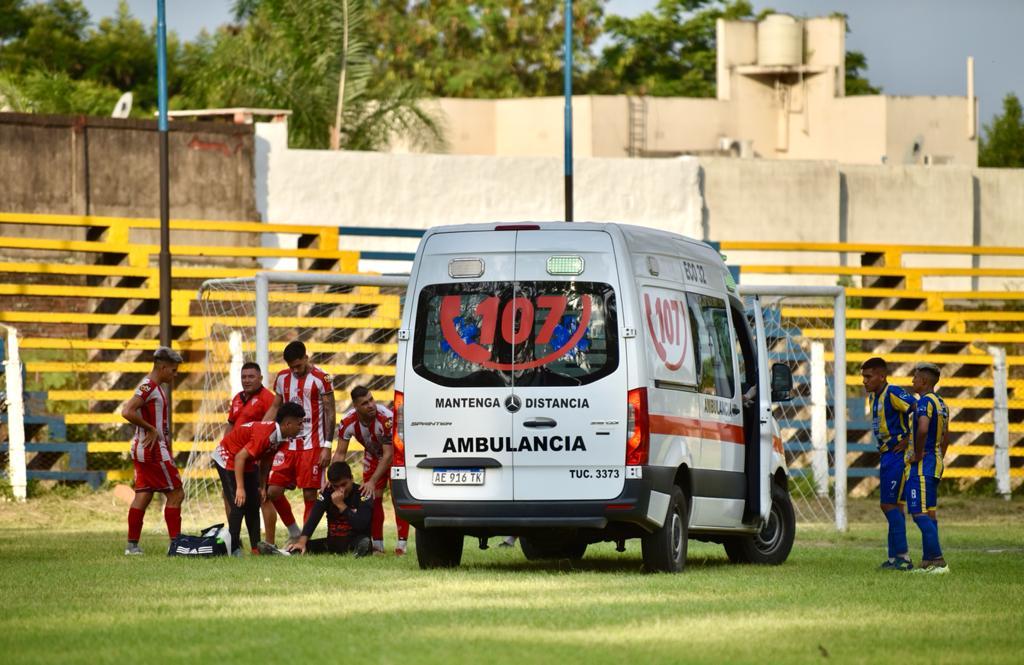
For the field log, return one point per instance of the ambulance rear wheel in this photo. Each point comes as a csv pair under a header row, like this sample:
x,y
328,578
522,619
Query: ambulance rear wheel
x,y
771,546
438,548
664,551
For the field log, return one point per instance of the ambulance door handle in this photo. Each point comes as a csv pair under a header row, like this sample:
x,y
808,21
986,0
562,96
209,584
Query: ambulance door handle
x,y
540,423
735,410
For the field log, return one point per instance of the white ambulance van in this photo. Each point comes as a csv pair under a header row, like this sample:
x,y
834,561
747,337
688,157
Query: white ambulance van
x,y
573,383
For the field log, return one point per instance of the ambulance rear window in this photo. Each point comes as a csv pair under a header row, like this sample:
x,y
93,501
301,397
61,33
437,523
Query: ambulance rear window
x,y
526,334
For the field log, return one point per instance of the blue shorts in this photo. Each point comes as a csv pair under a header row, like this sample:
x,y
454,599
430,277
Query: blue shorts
x,y
890,482
921,494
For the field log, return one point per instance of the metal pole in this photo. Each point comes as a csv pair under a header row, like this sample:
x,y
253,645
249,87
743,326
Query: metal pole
x,y
819,419
165,224
15,417
567,67
263,325
839,394
1000,421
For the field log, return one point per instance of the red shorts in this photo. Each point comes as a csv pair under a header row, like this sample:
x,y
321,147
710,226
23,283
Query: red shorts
x,y
369,467
297,468
156,477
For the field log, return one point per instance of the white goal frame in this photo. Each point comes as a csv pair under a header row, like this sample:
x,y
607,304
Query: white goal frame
x,y
263,279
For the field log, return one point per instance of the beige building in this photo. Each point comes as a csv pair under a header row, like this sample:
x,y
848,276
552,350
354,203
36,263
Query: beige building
x,y
781,95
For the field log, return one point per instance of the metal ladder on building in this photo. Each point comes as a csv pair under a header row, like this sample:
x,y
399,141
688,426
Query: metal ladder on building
x,y
637,126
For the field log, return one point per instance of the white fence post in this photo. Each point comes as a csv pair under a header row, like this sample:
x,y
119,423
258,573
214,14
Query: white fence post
x,y
1001,420
839,406
237,360
819,419
15,417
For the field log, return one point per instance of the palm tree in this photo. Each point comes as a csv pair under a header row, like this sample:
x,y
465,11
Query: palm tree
x,y
309,56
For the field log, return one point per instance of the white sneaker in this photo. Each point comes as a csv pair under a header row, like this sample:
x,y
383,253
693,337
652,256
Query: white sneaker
x,y
401,548
133,550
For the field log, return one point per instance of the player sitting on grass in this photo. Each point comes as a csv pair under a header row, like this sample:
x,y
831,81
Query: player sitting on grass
x,y
891,411
348,517
930,442
243,460
152,458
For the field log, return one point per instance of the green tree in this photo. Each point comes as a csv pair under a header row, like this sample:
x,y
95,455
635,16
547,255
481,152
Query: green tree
x,y
289,54
1002,144
13,21
51,37
41,91
856,82
480,48
667,52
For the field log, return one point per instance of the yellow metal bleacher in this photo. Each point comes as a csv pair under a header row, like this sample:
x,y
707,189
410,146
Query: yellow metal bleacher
x,y
52,290
949,327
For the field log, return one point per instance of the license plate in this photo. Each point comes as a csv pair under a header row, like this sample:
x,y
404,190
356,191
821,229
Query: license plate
x,y
458,476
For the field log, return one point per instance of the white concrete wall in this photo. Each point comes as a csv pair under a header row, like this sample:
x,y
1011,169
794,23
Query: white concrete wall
x,y
714,198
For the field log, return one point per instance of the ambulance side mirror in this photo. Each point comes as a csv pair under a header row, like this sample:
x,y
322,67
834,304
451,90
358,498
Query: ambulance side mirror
x,y
782,382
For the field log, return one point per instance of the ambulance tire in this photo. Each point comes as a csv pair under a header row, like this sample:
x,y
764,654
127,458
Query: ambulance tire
x,y
535,550
664,551
438,548
772,545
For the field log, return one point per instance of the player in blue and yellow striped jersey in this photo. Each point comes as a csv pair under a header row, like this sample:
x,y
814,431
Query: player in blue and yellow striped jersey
x,y
891,411
931,430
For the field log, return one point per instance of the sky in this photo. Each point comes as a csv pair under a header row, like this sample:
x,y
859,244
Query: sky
x,y
913,47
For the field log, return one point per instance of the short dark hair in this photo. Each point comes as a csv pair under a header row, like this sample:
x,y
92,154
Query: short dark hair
x,y
338,471
290,410
358,392
294,351
875,363
251,365
931,372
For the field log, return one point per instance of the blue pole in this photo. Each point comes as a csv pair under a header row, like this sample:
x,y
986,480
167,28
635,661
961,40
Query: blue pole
x,y
567,67
165,222
161,63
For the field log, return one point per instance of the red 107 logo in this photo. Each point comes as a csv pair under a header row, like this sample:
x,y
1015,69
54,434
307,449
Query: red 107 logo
x,y
668,332
517,321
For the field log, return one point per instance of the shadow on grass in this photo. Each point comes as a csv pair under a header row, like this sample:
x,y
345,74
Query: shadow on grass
x,y
628,563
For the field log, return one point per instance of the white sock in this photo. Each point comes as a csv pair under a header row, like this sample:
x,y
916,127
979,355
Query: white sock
x,y
378,545
293,530
402,543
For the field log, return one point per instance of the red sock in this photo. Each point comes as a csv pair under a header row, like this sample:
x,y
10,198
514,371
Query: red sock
x,y
135,523
173,518
309,508
284,509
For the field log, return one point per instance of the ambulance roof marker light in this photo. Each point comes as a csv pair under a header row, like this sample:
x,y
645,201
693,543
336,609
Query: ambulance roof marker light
x,y
465,268
565,265
517,227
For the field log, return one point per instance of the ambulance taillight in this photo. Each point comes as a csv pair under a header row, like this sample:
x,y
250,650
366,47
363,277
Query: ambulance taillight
x,y
638,431
398,430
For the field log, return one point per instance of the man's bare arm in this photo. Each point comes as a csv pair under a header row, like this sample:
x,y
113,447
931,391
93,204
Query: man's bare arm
x,y
272,411
130,412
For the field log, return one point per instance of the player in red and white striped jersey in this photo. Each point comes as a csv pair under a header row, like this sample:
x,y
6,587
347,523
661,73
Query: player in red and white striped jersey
x,y
149,411
370,423
301,461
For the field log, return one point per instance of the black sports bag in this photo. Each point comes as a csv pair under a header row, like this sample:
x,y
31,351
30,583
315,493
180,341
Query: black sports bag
x,y
213,541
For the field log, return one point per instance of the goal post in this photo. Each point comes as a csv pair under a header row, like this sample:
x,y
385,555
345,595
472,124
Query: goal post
x,y
348,322
806,328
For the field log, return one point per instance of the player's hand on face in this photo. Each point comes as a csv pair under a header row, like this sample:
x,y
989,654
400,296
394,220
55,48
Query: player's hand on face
x,y
240,497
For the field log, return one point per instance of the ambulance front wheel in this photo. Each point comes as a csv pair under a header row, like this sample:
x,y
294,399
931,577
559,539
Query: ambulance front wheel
x,y
438,548
771,546
664,551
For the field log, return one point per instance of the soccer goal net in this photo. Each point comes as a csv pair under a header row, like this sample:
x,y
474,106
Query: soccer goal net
x,y
348,323
805,328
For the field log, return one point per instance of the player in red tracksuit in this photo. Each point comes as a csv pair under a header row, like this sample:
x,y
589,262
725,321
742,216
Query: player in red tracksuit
x,y
301,462
248,406
370,423
149,410
244,459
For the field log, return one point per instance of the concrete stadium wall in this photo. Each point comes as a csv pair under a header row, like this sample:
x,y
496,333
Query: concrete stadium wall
x,y
711,198
104,166
421,191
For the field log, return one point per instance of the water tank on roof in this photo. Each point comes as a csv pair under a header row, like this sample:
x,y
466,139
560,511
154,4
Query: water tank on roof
x,y
780,41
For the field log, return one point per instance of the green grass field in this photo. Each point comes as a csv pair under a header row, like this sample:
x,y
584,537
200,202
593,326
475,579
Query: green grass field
x,y
70,596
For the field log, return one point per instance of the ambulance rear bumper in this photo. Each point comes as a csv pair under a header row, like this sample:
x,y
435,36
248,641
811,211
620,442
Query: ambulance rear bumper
x,y
631,507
